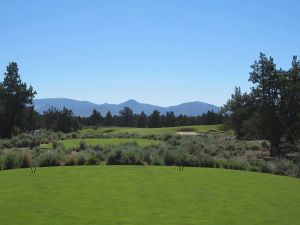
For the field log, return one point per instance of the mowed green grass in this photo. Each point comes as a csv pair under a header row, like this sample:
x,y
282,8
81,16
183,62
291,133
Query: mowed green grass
x,y
135,195
154,131
74,143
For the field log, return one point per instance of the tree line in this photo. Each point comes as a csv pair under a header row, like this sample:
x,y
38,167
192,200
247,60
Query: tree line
x,y
127,118
64,120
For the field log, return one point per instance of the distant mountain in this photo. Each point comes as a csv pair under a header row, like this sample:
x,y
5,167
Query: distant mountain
x,y
85,108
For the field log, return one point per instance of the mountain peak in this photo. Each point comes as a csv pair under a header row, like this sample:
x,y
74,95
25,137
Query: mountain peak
x,y
84,108
130,101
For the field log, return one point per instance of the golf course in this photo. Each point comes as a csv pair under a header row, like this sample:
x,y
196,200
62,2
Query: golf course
x,y
146,195
150,112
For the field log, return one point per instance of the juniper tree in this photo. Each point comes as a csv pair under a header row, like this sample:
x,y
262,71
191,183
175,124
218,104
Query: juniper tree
x,y
14,98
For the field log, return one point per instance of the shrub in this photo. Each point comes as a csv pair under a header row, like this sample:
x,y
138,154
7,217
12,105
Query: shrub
x,y
170,158
50,158
71,159
54,144
173,141
26,159
285,167
206,161
35,143
264,145
91,159
115,158
255,147
166,137
80,159
82,145
11,159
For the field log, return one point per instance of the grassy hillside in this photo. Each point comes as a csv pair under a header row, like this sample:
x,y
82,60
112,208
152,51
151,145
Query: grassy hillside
x,y
146,195
154,131
74,143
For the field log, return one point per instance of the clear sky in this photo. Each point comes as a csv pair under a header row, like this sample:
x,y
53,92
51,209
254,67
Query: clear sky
x,y
163,52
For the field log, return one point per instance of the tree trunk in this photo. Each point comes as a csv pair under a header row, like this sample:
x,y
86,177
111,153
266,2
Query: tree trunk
x,y
298,162
274,148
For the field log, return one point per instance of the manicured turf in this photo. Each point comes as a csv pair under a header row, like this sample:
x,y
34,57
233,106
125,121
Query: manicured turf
x,y
146,195
74,143
154,131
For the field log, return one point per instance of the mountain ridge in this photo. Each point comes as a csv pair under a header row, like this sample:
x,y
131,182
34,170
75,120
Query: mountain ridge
x,y
85,108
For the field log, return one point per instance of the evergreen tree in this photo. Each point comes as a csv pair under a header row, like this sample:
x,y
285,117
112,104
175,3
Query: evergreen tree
x,y
108,121
32,119
272,109
126,117
64,121
142,120
95,119
154,119
170,119
14,98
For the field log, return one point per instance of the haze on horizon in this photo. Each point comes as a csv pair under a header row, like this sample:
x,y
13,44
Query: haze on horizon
x,y
158,52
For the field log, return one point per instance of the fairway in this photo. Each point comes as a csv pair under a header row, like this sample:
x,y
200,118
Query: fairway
x,y
113,195
74,143
154,131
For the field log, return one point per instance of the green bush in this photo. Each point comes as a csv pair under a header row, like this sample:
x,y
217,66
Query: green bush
x,y
11,159
285,167
82,145
170,158
81,158
115,158
50,158
91,158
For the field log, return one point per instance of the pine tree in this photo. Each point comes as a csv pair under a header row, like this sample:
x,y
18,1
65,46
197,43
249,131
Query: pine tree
x,y
14,98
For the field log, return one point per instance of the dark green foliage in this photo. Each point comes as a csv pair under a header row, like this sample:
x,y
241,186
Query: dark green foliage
x,y
115,158
108,121
64,121
126,117
95,119
14,98
32,119
170,119
82,145
212,118
154,119
271,110
54,119
142,120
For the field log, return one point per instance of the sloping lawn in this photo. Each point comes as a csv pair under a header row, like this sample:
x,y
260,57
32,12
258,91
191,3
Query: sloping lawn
x,y
154,131
135,195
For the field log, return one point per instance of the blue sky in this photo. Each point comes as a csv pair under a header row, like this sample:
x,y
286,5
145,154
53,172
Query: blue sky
x,y
161,52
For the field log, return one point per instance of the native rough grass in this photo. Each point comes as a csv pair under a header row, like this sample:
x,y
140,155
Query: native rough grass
x,y
214,147
75,143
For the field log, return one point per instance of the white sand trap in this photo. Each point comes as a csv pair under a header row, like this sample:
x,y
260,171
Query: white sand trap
x,y
188,133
